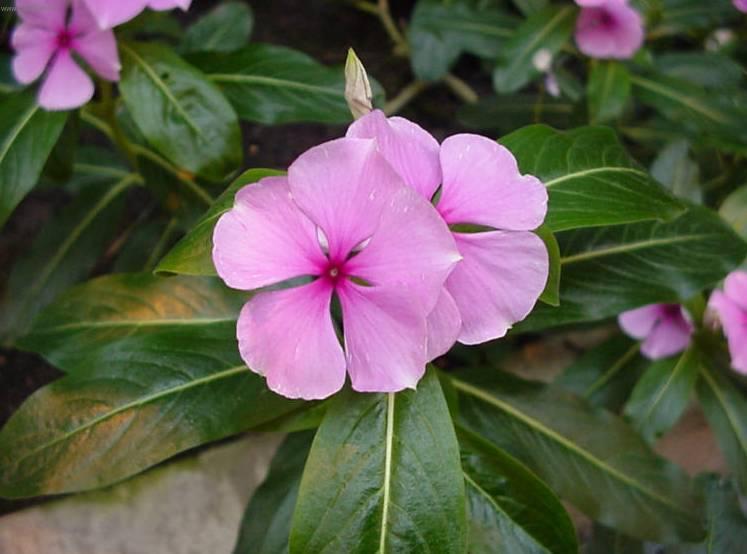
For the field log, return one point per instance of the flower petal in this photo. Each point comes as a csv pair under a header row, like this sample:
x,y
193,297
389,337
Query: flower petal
x,y
669,336
412,248
498,282
110,13
99,50
613,30
735,287
444,324
66,86
385,338
34,48
410,150
343,186
48,14
169,4
288,337
639,322
265,239
482,185
733,318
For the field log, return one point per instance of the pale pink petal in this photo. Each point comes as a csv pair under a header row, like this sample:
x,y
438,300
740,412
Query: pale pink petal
x,y
343,186
169,4
639,322
412,248
498,282
733,318
613,30
410,150
594,3
48,14
735,288
385,338
34,48
741,5
265,239
110,13
66,85
444,324
670,336
482,185
99,50
288,337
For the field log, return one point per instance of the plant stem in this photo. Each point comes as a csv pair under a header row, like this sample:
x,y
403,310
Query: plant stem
x,y
404,97
465,92
163,241
110,116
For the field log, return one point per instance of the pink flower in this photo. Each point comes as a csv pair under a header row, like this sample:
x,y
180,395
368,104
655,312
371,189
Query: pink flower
x,y
730,307
608,29
664,329
505,268
109,13
741,5
46,40
343,220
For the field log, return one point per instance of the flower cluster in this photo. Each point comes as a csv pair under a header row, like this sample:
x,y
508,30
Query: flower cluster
x,y
354,220
51,32
608,29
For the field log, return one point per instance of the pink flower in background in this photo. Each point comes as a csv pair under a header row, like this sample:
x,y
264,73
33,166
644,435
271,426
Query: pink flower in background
x,y
741,5
109,13
608,29
505,268
46,40
346,222
664,329
730,306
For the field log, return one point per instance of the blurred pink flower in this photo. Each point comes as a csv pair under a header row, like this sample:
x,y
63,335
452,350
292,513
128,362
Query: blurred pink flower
x,y
664,329
608,29
109,13
45,41
741,5
730,306
346,222
504,268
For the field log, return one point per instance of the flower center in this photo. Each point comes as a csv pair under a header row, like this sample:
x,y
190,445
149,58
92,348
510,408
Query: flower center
x,y
64,40
606,20
334,273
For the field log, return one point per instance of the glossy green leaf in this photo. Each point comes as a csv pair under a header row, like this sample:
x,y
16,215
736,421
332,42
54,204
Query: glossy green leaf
x,y
193,254
274,84
64,253
265,527
608,90
609,270
590,457
551,294
725,407
145,244
504,114
439,32
590,178
225,28
27,135
734,210
547,30
606,374
676,170
707,69
510,509
383,476
662,394
179,111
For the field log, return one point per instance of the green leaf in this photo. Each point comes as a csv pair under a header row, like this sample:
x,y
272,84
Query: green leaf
x,y
529,7
662,394
609,270
606,374
551,294
27,136
179,111
505,114
440,32
265,527
193,254
225,28
546,30
8,83
727,529
608,91
511,510
64,253
608,541
684,16
590,178
61,161
589,456
707,69
273,84
734,210
725,407
674,168
383,476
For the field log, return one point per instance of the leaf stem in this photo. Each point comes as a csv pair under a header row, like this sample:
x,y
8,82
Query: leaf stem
x,y
405,96
459,87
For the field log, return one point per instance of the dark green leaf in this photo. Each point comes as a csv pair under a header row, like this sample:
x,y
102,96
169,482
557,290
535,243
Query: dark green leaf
x,y
27,136
609,270
440,32
546,30
590,178
674,168
551,294
383,476
725,408
60,164
179,111
529,7
606,374
145,243
265,528
707,69
193,254
662,394
8,83
683,16
589,456
734,210
511,510
608,541
608,91
223,29
64,253
504,114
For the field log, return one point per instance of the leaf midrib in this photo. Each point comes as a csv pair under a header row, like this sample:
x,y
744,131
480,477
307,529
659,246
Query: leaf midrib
x,y
708,378
684,100
272,81
389,440
546,30
16,131
629,247
594,170
134,323
681,362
